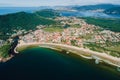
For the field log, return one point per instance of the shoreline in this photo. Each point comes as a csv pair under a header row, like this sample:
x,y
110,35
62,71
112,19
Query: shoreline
x,y
85,53
2,60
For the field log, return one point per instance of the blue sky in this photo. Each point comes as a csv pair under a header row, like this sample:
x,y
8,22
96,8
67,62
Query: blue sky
x,y
54,2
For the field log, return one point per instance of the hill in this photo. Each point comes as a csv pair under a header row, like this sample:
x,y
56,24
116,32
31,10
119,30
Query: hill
x,y
114,10
48,13
22,20
110,24
94,7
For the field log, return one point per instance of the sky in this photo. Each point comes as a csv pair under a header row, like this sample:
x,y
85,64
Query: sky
x,y
36,3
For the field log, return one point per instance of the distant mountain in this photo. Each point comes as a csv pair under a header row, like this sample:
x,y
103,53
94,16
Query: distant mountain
x,y
114,10
8,10
94,7
23,20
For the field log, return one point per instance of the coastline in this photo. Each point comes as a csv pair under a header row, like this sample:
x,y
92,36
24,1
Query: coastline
x,y
85,53
2,60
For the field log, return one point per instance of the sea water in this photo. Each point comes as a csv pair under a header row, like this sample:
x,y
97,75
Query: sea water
x,y
45,64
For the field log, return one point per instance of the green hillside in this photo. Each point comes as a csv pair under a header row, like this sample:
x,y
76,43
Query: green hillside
x,y
110,24
114,10
94,7
22,20
48,13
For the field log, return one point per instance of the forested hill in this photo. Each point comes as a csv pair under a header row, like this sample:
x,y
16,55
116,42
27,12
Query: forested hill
x,y
48,13
109,24
114,10
94,7
23,20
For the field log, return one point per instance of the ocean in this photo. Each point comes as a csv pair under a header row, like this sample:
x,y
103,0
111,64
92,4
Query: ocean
x,y
88,14
10,10
46,64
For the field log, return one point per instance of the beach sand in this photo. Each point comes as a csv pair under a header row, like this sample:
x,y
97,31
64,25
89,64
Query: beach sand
x,y
86,53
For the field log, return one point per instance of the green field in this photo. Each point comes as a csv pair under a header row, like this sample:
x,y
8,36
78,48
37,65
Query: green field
x,y
53,29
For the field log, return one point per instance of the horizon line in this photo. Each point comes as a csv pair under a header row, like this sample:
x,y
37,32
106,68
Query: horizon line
x,y
62,5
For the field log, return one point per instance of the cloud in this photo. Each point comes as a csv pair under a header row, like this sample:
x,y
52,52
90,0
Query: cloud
x,y
54,2
5,4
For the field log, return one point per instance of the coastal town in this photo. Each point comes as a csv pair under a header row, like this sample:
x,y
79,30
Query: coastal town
x,y
60,40
76,33
71,31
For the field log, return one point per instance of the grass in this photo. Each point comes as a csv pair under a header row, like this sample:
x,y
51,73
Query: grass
x,y
4,51
114,51
53,29
114,48
75,26
87,36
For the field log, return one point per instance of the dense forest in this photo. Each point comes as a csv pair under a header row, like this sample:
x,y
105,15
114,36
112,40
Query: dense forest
x,y
48,13
23,20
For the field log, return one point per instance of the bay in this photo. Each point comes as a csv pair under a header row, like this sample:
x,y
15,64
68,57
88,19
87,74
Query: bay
x,y
45,64
88,14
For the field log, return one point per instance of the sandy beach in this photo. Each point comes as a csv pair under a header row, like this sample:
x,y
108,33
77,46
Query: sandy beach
x,y
86,53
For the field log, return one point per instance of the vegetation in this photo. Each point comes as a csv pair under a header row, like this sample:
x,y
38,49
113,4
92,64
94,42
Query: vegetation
x,y
87,36
73,42
114,10
99,48
48,13
11,23
76,26
4,50
95,7
53,29
111,24
22,20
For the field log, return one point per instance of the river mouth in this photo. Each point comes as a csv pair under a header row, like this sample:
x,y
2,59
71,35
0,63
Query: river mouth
x,y
46,64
